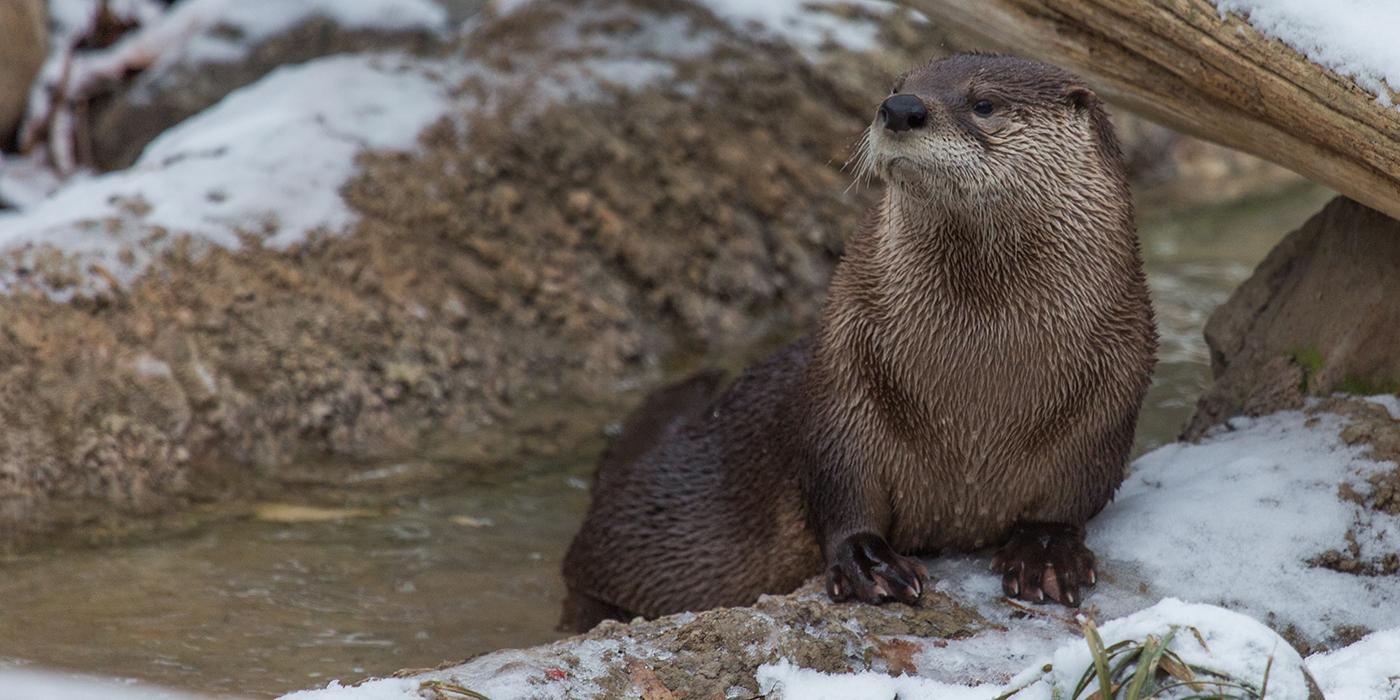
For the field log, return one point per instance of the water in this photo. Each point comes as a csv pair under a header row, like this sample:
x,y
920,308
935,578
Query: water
x,y
1195,259
257,608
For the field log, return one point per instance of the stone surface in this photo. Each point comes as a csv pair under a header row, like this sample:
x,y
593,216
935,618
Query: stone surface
x,y
138,110
504,291
713,654
1319,315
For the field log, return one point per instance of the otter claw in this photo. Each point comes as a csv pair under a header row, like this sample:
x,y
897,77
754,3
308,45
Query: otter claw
x,y
865,567
1046,563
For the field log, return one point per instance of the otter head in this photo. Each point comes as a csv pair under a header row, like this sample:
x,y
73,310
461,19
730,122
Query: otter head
x,y
973,129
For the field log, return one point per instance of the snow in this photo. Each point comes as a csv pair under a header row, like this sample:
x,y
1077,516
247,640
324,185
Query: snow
x,y
189,28
256,20
1365,670
784,680
1355,38
383,689
1232,522
193,32
268,160
1390,402
1235,520
24,684
1230,644
801,23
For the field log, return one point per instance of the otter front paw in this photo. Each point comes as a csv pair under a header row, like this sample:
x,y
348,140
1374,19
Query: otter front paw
x,y
866,568
1046,563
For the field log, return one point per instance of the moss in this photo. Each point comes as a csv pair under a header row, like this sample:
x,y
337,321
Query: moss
x,y
1366,386
1311,360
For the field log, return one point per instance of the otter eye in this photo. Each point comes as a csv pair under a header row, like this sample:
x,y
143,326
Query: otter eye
x,y
983,107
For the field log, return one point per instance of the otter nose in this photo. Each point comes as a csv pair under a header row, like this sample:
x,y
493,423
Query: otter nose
x,y
902,113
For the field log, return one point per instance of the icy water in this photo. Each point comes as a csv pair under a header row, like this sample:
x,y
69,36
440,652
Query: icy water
x,y
255,608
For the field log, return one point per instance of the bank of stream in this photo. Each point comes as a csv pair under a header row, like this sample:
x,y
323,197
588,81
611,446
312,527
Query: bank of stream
x,y
291,599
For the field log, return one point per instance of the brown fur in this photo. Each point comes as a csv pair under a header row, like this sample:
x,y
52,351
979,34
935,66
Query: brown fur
x,y
980,364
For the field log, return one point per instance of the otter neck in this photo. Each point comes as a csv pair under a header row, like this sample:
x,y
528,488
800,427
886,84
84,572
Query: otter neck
x,y
957,247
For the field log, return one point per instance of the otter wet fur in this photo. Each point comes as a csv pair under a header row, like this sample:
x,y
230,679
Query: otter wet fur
x,y
975,379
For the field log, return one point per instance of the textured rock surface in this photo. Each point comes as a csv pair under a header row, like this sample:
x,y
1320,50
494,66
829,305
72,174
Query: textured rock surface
x,y
138,111
506,278
506,287
713,654
1318,316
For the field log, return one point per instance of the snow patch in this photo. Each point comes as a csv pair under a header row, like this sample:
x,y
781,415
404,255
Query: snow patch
x,y
384,689
809,25
1235,520
241,24
267,161
1355,38
1390,402
1229,644
199,31
804,23
1366,670
789,682
23,684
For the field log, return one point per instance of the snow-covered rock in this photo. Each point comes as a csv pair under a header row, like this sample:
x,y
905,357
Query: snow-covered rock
x,y
1230,646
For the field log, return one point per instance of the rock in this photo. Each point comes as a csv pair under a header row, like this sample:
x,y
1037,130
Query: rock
x,y
1319,315
571,259
712,654
568,256
124,121
23,46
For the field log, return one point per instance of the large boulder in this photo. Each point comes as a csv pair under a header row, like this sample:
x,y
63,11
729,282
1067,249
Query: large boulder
x,y
600,187
430,243
1320,315
23,43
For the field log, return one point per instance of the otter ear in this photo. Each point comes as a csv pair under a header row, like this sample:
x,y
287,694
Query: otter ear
x,y
1081,97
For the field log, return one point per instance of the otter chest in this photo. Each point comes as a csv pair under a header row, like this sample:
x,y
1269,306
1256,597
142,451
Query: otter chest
x,y
995,403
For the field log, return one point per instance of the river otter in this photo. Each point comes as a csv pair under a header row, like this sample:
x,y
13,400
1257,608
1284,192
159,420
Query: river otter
x,y
975,379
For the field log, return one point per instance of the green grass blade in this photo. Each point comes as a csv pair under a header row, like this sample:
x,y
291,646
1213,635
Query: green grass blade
x,y
1091,635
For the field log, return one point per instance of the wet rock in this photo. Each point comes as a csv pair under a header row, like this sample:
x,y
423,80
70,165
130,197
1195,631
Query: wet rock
x,y
23,43
1318,316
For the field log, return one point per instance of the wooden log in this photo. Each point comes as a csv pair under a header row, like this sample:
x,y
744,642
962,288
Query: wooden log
x,y
23,43
1182,63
